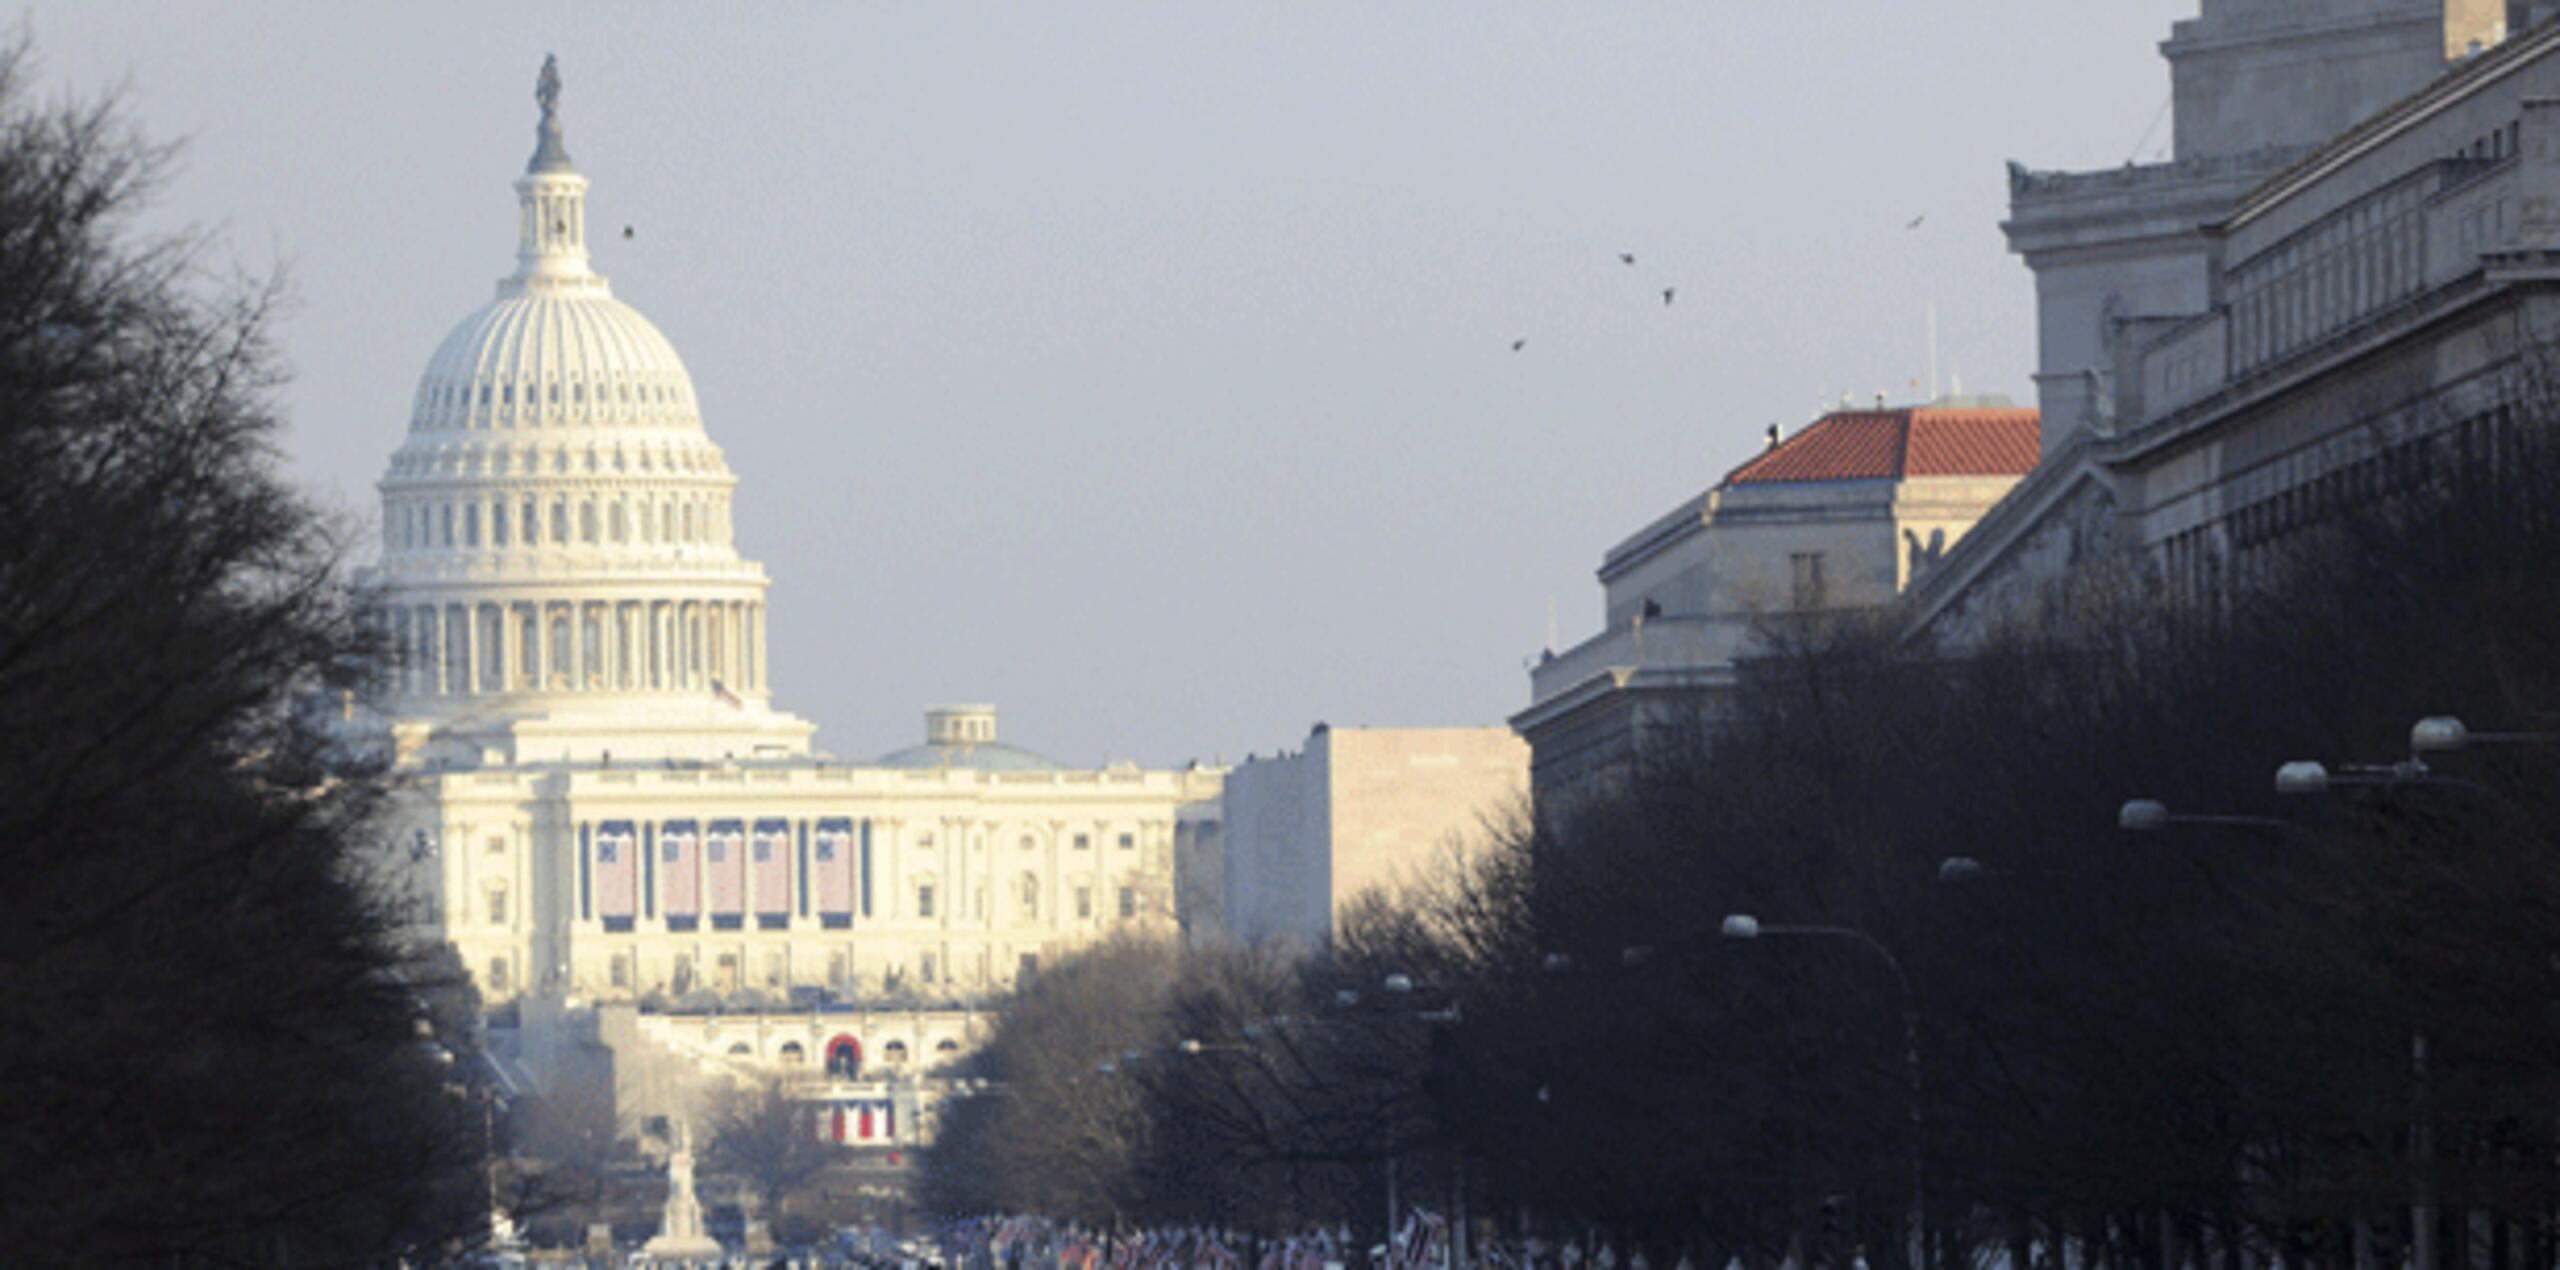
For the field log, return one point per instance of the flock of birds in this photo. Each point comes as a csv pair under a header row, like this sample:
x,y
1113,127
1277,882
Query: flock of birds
x,y
1628,259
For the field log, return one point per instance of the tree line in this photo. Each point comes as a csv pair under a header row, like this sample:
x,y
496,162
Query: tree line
x,y
2253,1025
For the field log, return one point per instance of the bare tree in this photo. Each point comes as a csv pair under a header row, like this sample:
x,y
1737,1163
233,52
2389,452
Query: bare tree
x,y
760,1133
214,1054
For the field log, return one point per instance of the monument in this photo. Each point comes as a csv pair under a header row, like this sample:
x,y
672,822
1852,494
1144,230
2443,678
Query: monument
x,y
680,1239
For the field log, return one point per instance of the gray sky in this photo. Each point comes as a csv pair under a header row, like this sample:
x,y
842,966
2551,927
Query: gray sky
x,y
1146,368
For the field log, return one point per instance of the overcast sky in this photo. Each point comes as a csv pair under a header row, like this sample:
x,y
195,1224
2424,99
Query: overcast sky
x,y
1146,369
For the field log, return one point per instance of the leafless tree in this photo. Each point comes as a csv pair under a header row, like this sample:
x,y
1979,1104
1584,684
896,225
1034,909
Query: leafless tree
x,y
214,1053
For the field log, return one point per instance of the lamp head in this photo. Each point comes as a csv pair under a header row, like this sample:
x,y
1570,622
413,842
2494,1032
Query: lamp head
x,y
2302,776
1556,963
1956,870
2143,815
1741,926
2437,733
1399,983
1191,1046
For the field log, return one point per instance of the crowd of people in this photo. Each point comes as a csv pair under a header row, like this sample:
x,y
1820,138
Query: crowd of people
x,y
1422,1241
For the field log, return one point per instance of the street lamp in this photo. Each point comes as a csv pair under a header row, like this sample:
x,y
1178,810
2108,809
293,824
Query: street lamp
x,y
1744,926
2150,815
2440,733
1957,870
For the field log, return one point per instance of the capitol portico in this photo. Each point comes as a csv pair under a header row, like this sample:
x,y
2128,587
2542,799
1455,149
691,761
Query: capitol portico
x,y
599,800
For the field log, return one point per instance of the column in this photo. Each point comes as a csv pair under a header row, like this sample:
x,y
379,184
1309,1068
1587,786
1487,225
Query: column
x,y
577,645
468,617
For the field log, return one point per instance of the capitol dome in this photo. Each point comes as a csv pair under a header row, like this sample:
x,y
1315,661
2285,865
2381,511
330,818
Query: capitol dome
x,y
557,543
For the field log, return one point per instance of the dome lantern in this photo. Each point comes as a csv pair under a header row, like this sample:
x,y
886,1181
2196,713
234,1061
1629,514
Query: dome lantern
x,y
551,198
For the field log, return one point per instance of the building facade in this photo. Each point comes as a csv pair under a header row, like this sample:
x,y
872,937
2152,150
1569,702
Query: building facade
x,y
2364,319
599,799
1356,809
1841,517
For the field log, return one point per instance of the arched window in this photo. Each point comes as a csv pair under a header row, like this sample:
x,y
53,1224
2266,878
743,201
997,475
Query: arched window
x,y
586,522
560,522
844,1058
471,525
560,648
621,524
1029,888
741,1050
946,1050
894,1053
498,525
791,1053
448,524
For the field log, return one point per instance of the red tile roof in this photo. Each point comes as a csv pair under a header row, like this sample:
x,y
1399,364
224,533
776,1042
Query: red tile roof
x,y
1893,445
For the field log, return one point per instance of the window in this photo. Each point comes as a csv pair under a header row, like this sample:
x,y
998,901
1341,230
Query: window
x,y
497,846
924,900
1084,902
791,1054
925,968
560,523
498,974
1029,966
740,1050
1807,570
471,525
1128,902
1026,842
621,971
1084,842
894,1053
1128,841
498,525
774,969
497,906
946,1049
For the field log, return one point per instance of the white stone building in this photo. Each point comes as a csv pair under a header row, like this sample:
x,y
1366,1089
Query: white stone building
x,y
600,800
2356,320
1842,516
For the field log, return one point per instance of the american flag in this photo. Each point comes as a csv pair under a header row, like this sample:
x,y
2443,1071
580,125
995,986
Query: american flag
x,y
617,869
677,845
773,867
726,848
727,698
833,846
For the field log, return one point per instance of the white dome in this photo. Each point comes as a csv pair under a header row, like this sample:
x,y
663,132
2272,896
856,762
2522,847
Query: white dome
x,y
555,357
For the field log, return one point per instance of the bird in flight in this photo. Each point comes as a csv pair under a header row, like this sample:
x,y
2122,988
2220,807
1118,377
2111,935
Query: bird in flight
x,y
629,232
1915,221
1668,292
1518,344
1626,257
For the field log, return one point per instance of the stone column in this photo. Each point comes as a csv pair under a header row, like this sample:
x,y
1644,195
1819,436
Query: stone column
x,y
577,646
469,650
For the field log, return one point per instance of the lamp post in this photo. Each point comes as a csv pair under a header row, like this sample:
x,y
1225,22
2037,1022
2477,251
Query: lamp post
x,y
1743,926
2150,815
